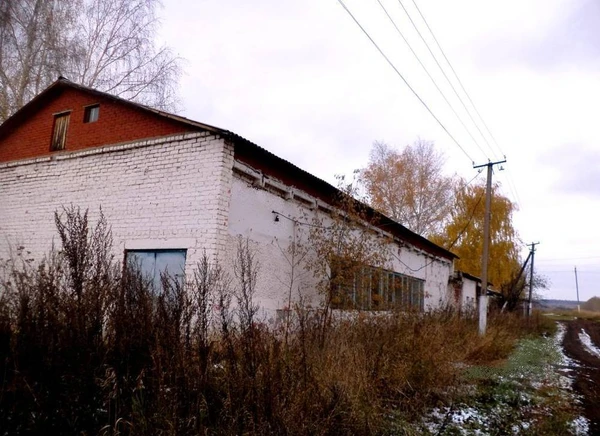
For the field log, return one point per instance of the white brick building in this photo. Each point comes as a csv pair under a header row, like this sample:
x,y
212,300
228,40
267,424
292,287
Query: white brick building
x,y
172,188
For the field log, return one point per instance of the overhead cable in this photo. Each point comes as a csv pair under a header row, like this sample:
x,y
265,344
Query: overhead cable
x,y
445,76
404,80
511,184
459,81
431,78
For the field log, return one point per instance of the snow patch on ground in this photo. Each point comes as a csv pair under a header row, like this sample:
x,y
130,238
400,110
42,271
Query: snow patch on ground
x,y
580,426
461,420
588,344
521,383
566,366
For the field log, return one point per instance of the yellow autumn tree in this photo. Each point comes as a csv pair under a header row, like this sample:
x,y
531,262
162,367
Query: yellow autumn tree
x,y
463,234
409,185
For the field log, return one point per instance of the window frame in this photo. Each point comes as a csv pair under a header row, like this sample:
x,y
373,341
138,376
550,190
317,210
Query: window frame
x,y
155,280
60,129
379,289
90,115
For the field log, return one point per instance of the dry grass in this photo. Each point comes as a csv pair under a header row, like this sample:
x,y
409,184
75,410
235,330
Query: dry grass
x,y
86,348
559,315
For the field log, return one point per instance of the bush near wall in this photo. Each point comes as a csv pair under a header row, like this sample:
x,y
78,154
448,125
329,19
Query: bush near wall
x,y
86,347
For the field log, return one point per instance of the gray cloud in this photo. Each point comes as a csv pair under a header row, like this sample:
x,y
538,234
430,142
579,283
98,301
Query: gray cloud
x,y
572,40
578,169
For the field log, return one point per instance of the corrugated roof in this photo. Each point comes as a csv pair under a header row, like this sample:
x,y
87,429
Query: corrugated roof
x,y
243,147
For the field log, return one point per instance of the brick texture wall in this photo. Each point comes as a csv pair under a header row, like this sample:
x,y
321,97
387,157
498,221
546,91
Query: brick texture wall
x,y
170,192
117,123
251,216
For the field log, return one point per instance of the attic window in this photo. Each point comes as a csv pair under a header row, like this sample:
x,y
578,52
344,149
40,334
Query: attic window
x,y
91,113
59,131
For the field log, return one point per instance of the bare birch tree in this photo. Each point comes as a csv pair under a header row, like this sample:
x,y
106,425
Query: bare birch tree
x,y
32,47
105,44
409,186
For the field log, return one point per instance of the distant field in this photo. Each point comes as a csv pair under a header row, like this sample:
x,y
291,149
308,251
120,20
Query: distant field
x,y
556,304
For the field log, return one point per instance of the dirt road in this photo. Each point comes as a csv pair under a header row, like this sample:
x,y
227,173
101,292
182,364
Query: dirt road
x,y
582,344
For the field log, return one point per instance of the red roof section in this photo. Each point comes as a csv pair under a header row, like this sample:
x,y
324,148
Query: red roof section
x,y
28,133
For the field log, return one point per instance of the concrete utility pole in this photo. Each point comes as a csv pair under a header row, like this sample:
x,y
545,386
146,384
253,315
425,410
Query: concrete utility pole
x,y
577,289
529,306
483,301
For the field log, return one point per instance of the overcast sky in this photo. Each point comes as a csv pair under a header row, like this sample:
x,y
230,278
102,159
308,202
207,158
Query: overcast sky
x,y
300,79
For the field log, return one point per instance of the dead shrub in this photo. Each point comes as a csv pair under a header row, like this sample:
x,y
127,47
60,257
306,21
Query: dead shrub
x,y
87,347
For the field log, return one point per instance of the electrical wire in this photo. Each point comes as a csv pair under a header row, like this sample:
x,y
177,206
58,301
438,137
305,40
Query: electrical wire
x,y
431,77
476,175
295,221
393,254
464,229
403,79
455,75
449,248
567,258
513,189
511,183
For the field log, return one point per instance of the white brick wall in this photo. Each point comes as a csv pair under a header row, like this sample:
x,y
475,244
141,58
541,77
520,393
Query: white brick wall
x,y
177,192
165,193
251,215
469,294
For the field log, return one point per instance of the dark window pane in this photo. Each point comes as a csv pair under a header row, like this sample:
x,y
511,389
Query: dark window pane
x,y
91,114
171,263
154,263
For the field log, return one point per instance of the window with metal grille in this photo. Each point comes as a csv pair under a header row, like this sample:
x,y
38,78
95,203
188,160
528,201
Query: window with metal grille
x,y
91,113
59,132
369,288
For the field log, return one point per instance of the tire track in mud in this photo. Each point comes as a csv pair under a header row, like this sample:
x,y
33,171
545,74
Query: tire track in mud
x,y
586,374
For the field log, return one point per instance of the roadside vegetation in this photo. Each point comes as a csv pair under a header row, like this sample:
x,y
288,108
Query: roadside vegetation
x,y
527,394
87,347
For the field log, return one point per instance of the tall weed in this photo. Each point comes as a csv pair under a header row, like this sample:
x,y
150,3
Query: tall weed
x,y
87,347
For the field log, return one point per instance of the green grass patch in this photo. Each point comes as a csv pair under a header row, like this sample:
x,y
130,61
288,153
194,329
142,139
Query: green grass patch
x,y
522,396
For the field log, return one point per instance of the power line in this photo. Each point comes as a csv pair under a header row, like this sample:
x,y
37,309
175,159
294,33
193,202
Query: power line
x,y
459,82
512,186
464,229
568,258
512,189
445,76
430,77
403,79
471,181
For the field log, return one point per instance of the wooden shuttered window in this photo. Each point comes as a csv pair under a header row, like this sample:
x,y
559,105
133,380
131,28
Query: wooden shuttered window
x,y
59,132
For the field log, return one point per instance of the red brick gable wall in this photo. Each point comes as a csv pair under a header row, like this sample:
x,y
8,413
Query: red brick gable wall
x,y
117,122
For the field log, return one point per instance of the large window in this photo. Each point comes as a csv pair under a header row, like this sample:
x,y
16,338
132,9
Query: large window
x,y
375,289
155,263
59,131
